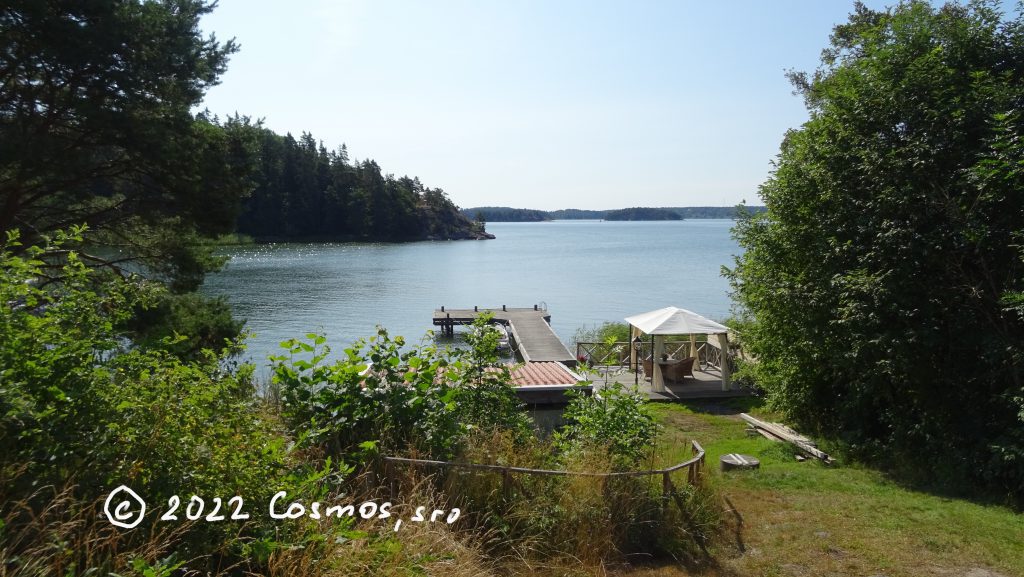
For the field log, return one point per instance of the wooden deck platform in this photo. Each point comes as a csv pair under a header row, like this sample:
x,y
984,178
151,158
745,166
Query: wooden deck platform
x,y
530,330
703,385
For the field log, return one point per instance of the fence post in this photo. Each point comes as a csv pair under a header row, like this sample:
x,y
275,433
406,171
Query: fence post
x,y
389,473
371,478
506,483
666,490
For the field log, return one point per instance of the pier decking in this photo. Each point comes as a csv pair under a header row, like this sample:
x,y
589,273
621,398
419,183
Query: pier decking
x,y
704,385
528,328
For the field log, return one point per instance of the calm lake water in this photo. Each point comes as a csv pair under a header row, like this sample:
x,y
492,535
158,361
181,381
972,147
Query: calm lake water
x,y
587,272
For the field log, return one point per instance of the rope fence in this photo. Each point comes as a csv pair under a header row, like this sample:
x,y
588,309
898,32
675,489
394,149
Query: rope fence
x,y
694,466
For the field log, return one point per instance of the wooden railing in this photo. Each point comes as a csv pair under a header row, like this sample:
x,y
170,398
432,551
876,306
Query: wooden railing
x,y
618,353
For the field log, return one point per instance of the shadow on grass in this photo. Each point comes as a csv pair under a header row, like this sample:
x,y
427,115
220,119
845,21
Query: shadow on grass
x,y
725,407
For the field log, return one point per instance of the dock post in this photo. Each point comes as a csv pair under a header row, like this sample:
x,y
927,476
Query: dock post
x,y
442,308
503,309
474,309
534,307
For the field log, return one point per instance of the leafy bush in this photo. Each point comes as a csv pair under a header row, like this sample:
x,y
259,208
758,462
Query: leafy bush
x,y
382,397
608,331
377,397
185,324
613,420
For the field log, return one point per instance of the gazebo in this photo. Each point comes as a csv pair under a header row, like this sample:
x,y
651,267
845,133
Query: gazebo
x,y
676,321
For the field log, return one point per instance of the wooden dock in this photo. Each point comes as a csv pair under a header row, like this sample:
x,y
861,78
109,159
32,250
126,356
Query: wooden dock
x,y
530,329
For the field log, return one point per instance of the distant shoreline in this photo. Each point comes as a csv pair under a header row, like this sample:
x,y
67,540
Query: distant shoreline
x,y
652,214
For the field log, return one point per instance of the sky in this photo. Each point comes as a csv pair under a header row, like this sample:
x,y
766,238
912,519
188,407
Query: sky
x,y
542,104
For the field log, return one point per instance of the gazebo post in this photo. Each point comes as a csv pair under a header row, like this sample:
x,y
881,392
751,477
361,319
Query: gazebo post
x,y
723,344
693,349
633,333
657,379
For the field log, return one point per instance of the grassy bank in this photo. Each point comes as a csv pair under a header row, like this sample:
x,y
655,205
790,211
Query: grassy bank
x,y
805,518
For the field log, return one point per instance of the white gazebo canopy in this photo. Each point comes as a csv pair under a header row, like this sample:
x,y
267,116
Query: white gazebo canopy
x,y
677,321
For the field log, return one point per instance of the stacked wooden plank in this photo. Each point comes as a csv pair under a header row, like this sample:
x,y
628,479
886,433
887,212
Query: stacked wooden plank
x,y
778,431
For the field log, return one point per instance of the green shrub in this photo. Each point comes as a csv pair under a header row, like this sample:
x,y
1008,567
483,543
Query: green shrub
x,y
613,421
614,331
485,398
382,397
184,324
376,397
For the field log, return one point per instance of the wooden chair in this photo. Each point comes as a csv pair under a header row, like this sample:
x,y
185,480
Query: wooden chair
x,y
678,371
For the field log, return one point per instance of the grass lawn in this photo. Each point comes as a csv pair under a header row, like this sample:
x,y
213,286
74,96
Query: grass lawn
x,y
806,518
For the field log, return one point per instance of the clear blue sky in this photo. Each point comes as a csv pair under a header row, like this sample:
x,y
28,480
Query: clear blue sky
x,y
534,104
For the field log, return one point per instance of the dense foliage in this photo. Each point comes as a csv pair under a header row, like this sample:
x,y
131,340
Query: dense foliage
x,y
608,331
302,190
883,278
97,130
382,396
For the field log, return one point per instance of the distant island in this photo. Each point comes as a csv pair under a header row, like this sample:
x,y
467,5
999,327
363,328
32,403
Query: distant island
x,y
577,214
507,214
640,213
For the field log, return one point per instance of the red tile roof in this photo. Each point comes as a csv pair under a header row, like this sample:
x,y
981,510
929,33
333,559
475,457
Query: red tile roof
x,y
543,373
534,374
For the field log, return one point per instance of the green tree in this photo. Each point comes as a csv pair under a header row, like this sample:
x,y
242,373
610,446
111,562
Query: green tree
x,y
878,279
486,398
97,129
